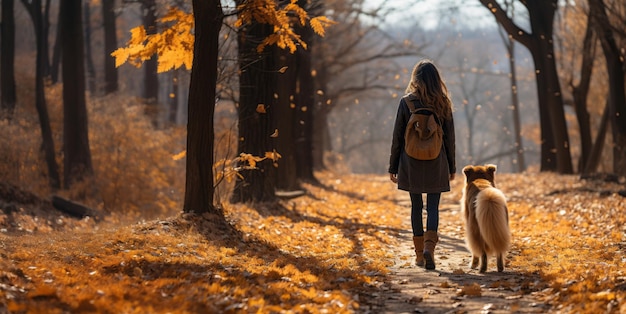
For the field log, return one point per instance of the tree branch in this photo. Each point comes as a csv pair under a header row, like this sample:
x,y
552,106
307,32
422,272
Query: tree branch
x,y
514,31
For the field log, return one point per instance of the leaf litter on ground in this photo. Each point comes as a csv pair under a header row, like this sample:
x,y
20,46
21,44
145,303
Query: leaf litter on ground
x,y
326,251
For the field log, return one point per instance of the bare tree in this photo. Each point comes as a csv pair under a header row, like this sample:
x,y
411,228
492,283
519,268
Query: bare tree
x,y
91,68
77,164
151,79
574,52
555,147
614,56
35,11
509,44
7,60
355,59
110,44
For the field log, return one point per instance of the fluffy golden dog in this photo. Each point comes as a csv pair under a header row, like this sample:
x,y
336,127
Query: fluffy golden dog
x,y
486,216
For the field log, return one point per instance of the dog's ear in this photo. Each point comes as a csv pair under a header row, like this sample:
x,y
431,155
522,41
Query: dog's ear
x,y
491,174
468,171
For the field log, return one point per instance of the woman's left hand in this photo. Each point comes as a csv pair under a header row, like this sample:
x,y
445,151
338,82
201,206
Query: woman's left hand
x,y
393,177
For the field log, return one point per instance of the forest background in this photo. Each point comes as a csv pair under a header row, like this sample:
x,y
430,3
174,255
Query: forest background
x,y
540,88
358,71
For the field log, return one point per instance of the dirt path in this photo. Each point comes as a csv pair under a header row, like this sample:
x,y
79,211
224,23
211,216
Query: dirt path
x,y
453,287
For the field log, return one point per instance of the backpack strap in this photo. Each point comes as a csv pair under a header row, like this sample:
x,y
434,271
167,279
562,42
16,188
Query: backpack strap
x,y
423,110
409,103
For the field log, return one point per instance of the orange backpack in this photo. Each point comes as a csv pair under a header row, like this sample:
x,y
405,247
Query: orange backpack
x,y
423,136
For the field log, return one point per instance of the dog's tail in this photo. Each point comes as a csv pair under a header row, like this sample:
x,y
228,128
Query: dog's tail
x,y
493,221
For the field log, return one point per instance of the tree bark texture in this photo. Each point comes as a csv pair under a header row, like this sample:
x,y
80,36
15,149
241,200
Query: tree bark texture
x,y
34,10
110,45
173,99
320,113
580,93
77,155
305,94
56,54
285,118
255,110
517,124
199,187
7,60
598,145
91,68
151,79
617,96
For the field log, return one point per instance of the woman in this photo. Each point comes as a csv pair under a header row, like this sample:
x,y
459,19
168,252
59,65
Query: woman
x,y
425,89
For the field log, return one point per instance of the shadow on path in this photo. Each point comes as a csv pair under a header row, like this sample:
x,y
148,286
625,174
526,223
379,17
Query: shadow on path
x,y
453,287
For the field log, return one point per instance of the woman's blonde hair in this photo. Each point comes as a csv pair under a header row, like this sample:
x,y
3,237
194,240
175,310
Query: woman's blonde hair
x,y
427,85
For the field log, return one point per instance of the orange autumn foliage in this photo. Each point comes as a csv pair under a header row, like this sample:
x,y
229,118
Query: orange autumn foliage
x,y
174,43
326,251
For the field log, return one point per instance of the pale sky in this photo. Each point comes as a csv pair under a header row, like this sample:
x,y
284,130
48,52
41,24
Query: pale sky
x,y
430,13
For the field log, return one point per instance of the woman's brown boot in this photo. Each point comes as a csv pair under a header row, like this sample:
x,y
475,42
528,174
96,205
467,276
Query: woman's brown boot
x,y
430,241
418,242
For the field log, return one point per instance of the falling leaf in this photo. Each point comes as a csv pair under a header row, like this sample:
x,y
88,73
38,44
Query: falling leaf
x,y
180,155
473,290
260,108
275,134
273,155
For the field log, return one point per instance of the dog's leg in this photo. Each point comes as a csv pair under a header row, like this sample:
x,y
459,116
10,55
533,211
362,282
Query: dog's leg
x,y
474,263
483,263
500,263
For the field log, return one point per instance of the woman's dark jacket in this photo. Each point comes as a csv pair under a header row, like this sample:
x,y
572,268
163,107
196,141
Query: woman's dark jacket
x,y
421,176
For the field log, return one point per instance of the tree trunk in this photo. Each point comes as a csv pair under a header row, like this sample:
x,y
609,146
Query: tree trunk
x,y
548,149
151,79
7,60
91,69
56,53
173,99
285,113
541,19
321,137
72,208
256,104
110,45
580,93
598,145
305,105
555,148
34,10
199,187
320,114
46,44
517,124
509,44
77,156
617,96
